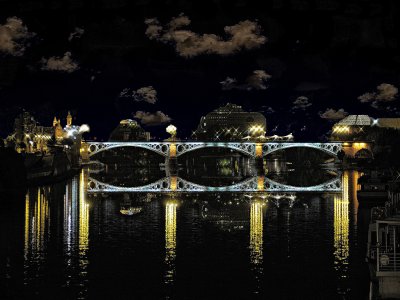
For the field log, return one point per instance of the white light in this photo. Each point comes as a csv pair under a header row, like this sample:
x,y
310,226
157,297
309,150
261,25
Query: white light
x,y
84,128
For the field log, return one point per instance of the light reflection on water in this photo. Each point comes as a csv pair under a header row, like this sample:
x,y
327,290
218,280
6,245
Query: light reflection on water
x,y
256,240
170,241
267,237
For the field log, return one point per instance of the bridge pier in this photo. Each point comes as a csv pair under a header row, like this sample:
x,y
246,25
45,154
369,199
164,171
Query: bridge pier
x,y
171,161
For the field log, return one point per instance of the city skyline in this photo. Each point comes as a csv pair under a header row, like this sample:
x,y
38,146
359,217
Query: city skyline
x,y
303,66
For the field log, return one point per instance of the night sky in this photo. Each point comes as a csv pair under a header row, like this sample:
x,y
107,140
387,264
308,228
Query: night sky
x,y
304,64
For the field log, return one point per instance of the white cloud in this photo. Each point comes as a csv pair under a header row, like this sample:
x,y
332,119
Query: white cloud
x,y
301,102
14,37
385,92
244,35
61,64
152,119
257,81
229,83
147,94
332,114
76,34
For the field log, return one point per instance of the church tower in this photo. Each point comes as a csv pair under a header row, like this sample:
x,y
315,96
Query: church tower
x,y
58,131
69,119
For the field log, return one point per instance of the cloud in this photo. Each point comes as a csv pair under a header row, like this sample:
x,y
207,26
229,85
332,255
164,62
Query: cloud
x,y
301,103
331,114
61,64
243,35
152,119
147,94
256,81
229,83
76,34
268,110
14,37
385,92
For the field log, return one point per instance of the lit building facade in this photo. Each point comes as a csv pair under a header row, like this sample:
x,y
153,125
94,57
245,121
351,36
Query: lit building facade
x,y
357,127
231,123
29,136
129,130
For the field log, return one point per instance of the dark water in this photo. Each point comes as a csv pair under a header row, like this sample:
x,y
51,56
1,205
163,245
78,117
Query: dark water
x,y
60,242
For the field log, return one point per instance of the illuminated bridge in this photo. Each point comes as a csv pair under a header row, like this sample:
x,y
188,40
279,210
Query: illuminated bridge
x,y
175,149
253,184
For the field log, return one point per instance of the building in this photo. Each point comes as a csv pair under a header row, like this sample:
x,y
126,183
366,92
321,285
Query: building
x,y
129,131
29,136
231,123
359,127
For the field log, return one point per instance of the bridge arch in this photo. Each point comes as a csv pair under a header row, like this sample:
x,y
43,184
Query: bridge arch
x,y
244,148
329,148
157,147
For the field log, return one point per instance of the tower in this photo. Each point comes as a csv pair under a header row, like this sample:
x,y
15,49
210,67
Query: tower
x,y
58,131
69,119
55,122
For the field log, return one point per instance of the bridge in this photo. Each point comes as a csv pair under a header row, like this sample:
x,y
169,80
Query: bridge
x,y
177,184
171,149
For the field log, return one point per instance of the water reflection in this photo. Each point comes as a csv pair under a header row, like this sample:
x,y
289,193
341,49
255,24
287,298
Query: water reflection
x,y
37,230
170,241
256,240
62,226
341,225
42,222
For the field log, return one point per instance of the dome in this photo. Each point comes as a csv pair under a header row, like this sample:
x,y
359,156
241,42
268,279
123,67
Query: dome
x,y
356,120
128,122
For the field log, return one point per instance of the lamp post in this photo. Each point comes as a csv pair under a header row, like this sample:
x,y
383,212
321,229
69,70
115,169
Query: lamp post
x,y
171,129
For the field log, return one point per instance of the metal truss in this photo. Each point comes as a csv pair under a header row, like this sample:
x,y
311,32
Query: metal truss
x,y
330,148
182,185
158,147
247,148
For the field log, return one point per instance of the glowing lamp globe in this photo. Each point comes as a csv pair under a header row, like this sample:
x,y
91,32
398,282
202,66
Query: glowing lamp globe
x,y
171,129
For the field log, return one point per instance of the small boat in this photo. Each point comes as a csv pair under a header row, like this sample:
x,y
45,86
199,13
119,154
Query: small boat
x,y
131,211
383,251
127,208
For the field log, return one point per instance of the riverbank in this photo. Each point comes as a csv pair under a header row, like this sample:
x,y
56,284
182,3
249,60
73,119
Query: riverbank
x,y
19,171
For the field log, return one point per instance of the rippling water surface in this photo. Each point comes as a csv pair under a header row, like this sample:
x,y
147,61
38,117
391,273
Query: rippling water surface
x,y
60,242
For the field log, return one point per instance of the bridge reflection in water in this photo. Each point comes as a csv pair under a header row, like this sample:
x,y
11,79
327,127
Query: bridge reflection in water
x,y
42,205
252,184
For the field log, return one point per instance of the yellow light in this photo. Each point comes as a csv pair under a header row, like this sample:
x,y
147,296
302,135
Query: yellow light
x,y
259,150
260,183
170,240
172,150
256,238
83,216
341,226
173,183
